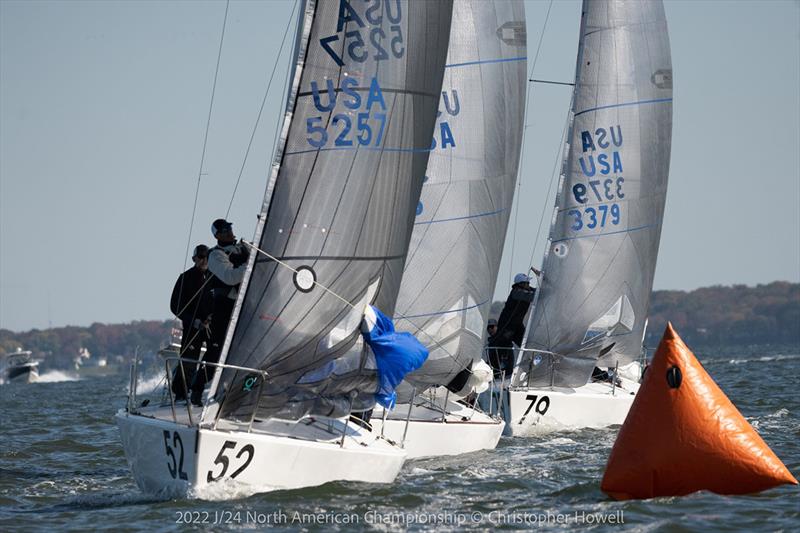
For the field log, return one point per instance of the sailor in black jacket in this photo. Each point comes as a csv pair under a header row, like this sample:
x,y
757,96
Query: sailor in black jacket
x,y
227,262
511,324
191,302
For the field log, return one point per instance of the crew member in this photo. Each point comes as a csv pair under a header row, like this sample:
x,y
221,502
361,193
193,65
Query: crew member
x,y
511,324
191,302
227,261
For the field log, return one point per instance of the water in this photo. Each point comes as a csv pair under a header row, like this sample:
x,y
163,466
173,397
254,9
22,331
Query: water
x,y
62,465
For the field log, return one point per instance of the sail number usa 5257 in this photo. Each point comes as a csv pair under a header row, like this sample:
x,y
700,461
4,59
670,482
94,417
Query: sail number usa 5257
x,y
362,120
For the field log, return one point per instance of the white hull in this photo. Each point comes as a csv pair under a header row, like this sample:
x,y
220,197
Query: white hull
x,y
432,434
24,374
170,459
536,411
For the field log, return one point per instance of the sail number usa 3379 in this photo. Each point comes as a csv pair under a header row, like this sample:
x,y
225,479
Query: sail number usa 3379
x,y
601,182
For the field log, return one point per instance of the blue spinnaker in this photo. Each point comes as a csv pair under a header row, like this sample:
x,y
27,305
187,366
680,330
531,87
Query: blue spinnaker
x,y
396,354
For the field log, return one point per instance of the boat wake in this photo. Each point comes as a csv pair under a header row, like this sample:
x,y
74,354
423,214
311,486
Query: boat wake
x,y
149,384
56,376
227,489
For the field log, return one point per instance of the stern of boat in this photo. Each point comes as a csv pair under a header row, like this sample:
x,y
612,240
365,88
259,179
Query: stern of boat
x,y
547,410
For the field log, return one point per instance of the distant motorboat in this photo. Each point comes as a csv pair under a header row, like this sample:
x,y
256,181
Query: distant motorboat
x,y
20,368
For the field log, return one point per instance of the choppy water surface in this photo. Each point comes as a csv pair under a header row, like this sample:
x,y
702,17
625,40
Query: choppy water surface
x,y
62,465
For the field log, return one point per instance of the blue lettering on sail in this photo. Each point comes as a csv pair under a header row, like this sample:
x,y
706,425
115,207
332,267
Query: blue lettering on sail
x,y
456,104
375,95
601,155
347,88
363,41
588,171
602,160
617,162
368,126
586,140
616,139
452,107
347,14
447,135
331,93
601,138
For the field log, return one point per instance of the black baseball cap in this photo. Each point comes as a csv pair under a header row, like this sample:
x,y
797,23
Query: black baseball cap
x,y
220,225
201,250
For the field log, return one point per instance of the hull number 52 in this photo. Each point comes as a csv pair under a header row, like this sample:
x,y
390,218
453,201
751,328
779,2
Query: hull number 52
x,y
175,465
223,460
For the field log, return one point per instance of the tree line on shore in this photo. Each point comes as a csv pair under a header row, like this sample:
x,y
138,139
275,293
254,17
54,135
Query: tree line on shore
x,y
717,316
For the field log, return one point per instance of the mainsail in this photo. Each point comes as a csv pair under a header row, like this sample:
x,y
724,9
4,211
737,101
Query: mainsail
x,y
339,205
601,256
464,209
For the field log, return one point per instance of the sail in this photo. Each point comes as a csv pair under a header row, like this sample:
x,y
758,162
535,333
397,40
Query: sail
x,y
463,212
339,208
601,256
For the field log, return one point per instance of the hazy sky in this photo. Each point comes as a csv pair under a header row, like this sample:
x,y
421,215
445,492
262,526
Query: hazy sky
x,y
103,109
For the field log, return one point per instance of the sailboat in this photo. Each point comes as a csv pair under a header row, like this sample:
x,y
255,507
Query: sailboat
x,y
329,248
458,237
589,315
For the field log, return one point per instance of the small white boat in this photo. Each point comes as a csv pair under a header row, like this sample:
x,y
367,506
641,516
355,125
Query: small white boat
x,y
20,368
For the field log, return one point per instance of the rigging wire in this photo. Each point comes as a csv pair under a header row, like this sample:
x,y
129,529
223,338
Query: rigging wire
x,y
261,109
205,138
197,190
528,102
553,175
205,144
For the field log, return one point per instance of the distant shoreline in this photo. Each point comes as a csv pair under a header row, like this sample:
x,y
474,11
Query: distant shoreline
x,y
724,319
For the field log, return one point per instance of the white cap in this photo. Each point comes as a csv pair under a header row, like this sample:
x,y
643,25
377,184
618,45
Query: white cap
x,y
521,278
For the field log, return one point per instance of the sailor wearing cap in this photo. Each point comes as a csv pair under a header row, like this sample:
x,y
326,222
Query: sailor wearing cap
x,y
191,302
511,323
227,261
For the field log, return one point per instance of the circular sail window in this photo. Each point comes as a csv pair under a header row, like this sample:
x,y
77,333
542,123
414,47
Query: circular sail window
x,y
305,278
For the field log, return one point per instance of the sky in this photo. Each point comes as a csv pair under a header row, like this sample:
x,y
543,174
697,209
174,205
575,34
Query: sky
x,y
104,108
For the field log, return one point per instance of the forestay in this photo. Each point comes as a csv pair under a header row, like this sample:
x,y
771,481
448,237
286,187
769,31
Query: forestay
x,y
464,209
601,256
339,204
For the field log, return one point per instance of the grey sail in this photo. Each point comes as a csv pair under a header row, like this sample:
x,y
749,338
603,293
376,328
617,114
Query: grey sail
x,y
463,212
339,206
592,306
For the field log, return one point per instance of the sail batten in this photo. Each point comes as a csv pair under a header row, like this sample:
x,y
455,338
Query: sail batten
x,y
591,309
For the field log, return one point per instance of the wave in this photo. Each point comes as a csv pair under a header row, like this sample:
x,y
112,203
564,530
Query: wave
x,y
764,359
149,384
57,376
227,489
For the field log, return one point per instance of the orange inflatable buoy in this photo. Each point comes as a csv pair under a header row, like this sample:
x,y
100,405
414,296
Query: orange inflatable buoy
x,y
683,434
